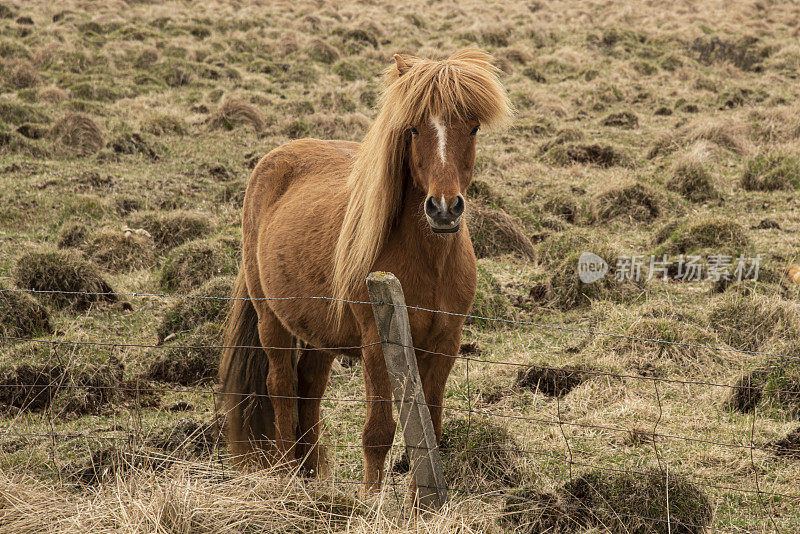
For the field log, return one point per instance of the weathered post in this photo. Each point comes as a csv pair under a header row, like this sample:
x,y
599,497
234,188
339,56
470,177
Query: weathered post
x,y
391,316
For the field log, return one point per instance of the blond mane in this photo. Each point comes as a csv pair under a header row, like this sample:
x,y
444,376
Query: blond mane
x,y
463,86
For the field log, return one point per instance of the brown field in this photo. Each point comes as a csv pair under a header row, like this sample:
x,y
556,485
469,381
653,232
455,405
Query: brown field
x,y
128,131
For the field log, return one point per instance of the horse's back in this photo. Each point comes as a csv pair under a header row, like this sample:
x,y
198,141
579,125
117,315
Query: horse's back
x,y
296,161
293,207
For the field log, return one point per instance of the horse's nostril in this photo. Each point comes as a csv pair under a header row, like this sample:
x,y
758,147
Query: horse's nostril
x,y
458,206
431,208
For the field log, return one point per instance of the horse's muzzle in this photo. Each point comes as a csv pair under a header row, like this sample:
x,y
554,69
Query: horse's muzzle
x,y
444,217
450,228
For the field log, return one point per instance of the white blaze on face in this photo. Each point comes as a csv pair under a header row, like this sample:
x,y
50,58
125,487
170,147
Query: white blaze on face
x,y
441,132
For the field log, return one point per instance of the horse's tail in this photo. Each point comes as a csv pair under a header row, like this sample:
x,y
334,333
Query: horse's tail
x,y
249,416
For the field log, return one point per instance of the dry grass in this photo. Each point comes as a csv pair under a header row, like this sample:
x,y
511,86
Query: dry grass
x,y
691,175
195,497
234,112
153,116
729,133
78,133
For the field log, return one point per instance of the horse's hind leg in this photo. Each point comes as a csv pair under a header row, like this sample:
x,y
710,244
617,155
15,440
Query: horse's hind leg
x,y
281,380
313,371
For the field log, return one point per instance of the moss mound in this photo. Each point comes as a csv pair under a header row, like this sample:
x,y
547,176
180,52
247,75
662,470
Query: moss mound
x,y
719,234
190,358
186,314
771,172
63,270
77,133
192,264
495,232
21,315
553,382
638,202
119,250
612,502
172,228
234,112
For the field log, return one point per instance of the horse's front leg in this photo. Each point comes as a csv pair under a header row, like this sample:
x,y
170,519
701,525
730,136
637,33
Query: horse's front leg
x,y
433,371
380,425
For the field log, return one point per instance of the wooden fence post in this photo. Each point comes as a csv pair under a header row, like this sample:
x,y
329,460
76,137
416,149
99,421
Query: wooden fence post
x,y
391,316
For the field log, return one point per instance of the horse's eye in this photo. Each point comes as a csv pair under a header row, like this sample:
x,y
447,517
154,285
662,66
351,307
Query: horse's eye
x,y
474,130
414,131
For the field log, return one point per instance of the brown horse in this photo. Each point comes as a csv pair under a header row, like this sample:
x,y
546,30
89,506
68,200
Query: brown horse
x,y
318,217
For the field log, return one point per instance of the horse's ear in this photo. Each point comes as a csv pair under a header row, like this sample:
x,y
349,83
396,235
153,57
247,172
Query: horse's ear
x,y
402,64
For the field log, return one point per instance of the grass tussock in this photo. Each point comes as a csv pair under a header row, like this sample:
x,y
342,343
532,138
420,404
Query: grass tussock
x,y
479,455
189,359
789,445
78,133
186,314
21,315
490,301
172,228
774,386
551,381
63,271
612,502
754,322
495,232
161,124
771,172
192,264
322,51
638,202
45,377
121,250
690,175
73,235
730,134
602,155
24,75
718,234
233,112
566,291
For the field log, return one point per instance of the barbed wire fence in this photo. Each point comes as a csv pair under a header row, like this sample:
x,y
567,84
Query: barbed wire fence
x,y
567,460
